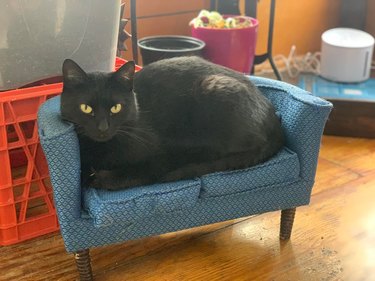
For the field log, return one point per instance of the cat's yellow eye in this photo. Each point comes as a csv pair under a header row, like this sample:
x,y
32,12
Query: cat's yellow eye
x,y
86,108
116,108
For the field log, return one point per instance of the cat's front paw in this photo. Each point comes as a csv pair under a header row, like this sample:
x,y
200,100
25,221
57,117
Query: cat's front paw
x,y
110,180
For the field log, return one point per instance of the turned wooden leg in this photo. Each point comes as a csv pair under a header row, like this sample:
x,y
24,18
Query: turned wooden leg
x,y
286,223
84,265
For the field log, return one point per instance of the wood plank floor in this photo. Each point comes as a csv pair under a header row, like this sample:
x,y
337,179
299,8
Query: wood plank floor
x,y
333,238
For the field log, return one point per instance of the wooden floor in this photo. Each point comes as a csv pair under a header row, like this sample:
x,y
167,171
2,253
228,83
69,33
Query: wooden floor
x,y
333,238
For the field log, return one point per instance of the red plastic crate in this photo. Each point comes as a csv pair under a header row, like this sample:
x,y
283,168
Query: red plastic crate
x,y
26,198
26,204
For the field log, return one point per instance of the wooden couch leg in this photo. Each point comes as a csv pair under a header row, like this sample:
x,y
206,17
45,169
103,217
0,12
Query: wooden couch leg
x,y
83,263
286,223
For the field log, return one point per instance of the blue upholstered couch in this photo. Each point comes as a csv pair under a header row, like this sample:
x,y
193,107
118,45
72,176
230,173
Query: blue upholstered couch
x,y
90,218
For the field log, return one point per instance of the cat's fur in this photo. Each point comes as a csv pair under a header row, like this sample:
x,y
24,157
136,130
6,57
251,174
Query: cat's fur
x,y
180,118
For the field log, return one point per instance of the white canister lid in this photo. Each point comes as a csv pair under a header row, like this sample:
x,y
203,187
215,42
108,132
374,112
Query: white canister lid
x,y
348,38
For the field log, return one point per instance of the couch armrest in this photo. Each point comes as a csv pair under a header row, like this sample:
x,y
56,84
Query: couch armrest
x,y
303,117
61,148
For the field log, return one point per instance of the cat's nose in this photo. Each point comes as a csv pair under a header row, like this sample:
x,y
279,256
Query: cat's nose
x,y
103,126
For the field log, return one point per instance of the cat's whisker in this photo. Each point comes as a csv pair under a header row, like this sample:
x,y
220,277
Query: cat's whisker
x,y
140,139
70,121
131,135
141,142
140,129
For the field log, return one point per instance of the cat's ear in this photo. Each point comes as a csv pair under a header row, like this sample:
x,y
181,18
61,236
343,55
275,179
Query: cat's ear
x,y
73,74
125,72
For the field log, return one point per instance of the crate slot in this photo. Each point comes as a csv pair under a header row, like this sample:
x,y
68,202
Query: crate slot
x,y
36,207
28,129
19,192
12,135
18,162
36,189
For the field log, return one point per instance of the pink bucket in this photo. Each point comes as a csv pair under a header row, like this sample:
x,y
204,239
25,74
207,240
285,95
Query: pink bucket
x,y
232,47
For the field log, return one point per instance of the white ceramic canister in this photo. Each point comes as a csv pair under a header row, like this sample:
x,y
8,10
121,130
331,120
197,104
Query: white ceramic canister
x,y
346,55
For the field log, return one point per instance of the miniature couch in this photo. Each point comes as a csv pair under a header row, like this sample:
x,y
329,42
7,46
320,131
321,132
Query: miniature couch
x,y
91,218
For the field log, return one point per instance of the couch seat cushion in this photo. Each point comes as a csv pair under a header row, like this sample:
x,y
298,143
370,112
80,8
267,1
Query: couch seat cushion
x,y
282,168
131,204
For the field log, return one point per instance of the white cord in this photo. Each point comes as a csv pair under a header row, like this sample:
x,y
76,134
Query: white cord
x,y
294,65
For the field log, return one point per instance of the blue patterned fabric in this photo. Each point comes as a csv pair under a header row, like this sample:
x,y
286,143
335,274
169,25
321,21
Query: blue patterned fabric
x,y
132,204
129,205
282,168
282,182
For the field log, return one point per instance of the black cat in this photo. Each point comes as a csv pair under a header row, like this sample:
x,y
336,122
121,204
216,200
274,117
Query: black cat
x,y
175,119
